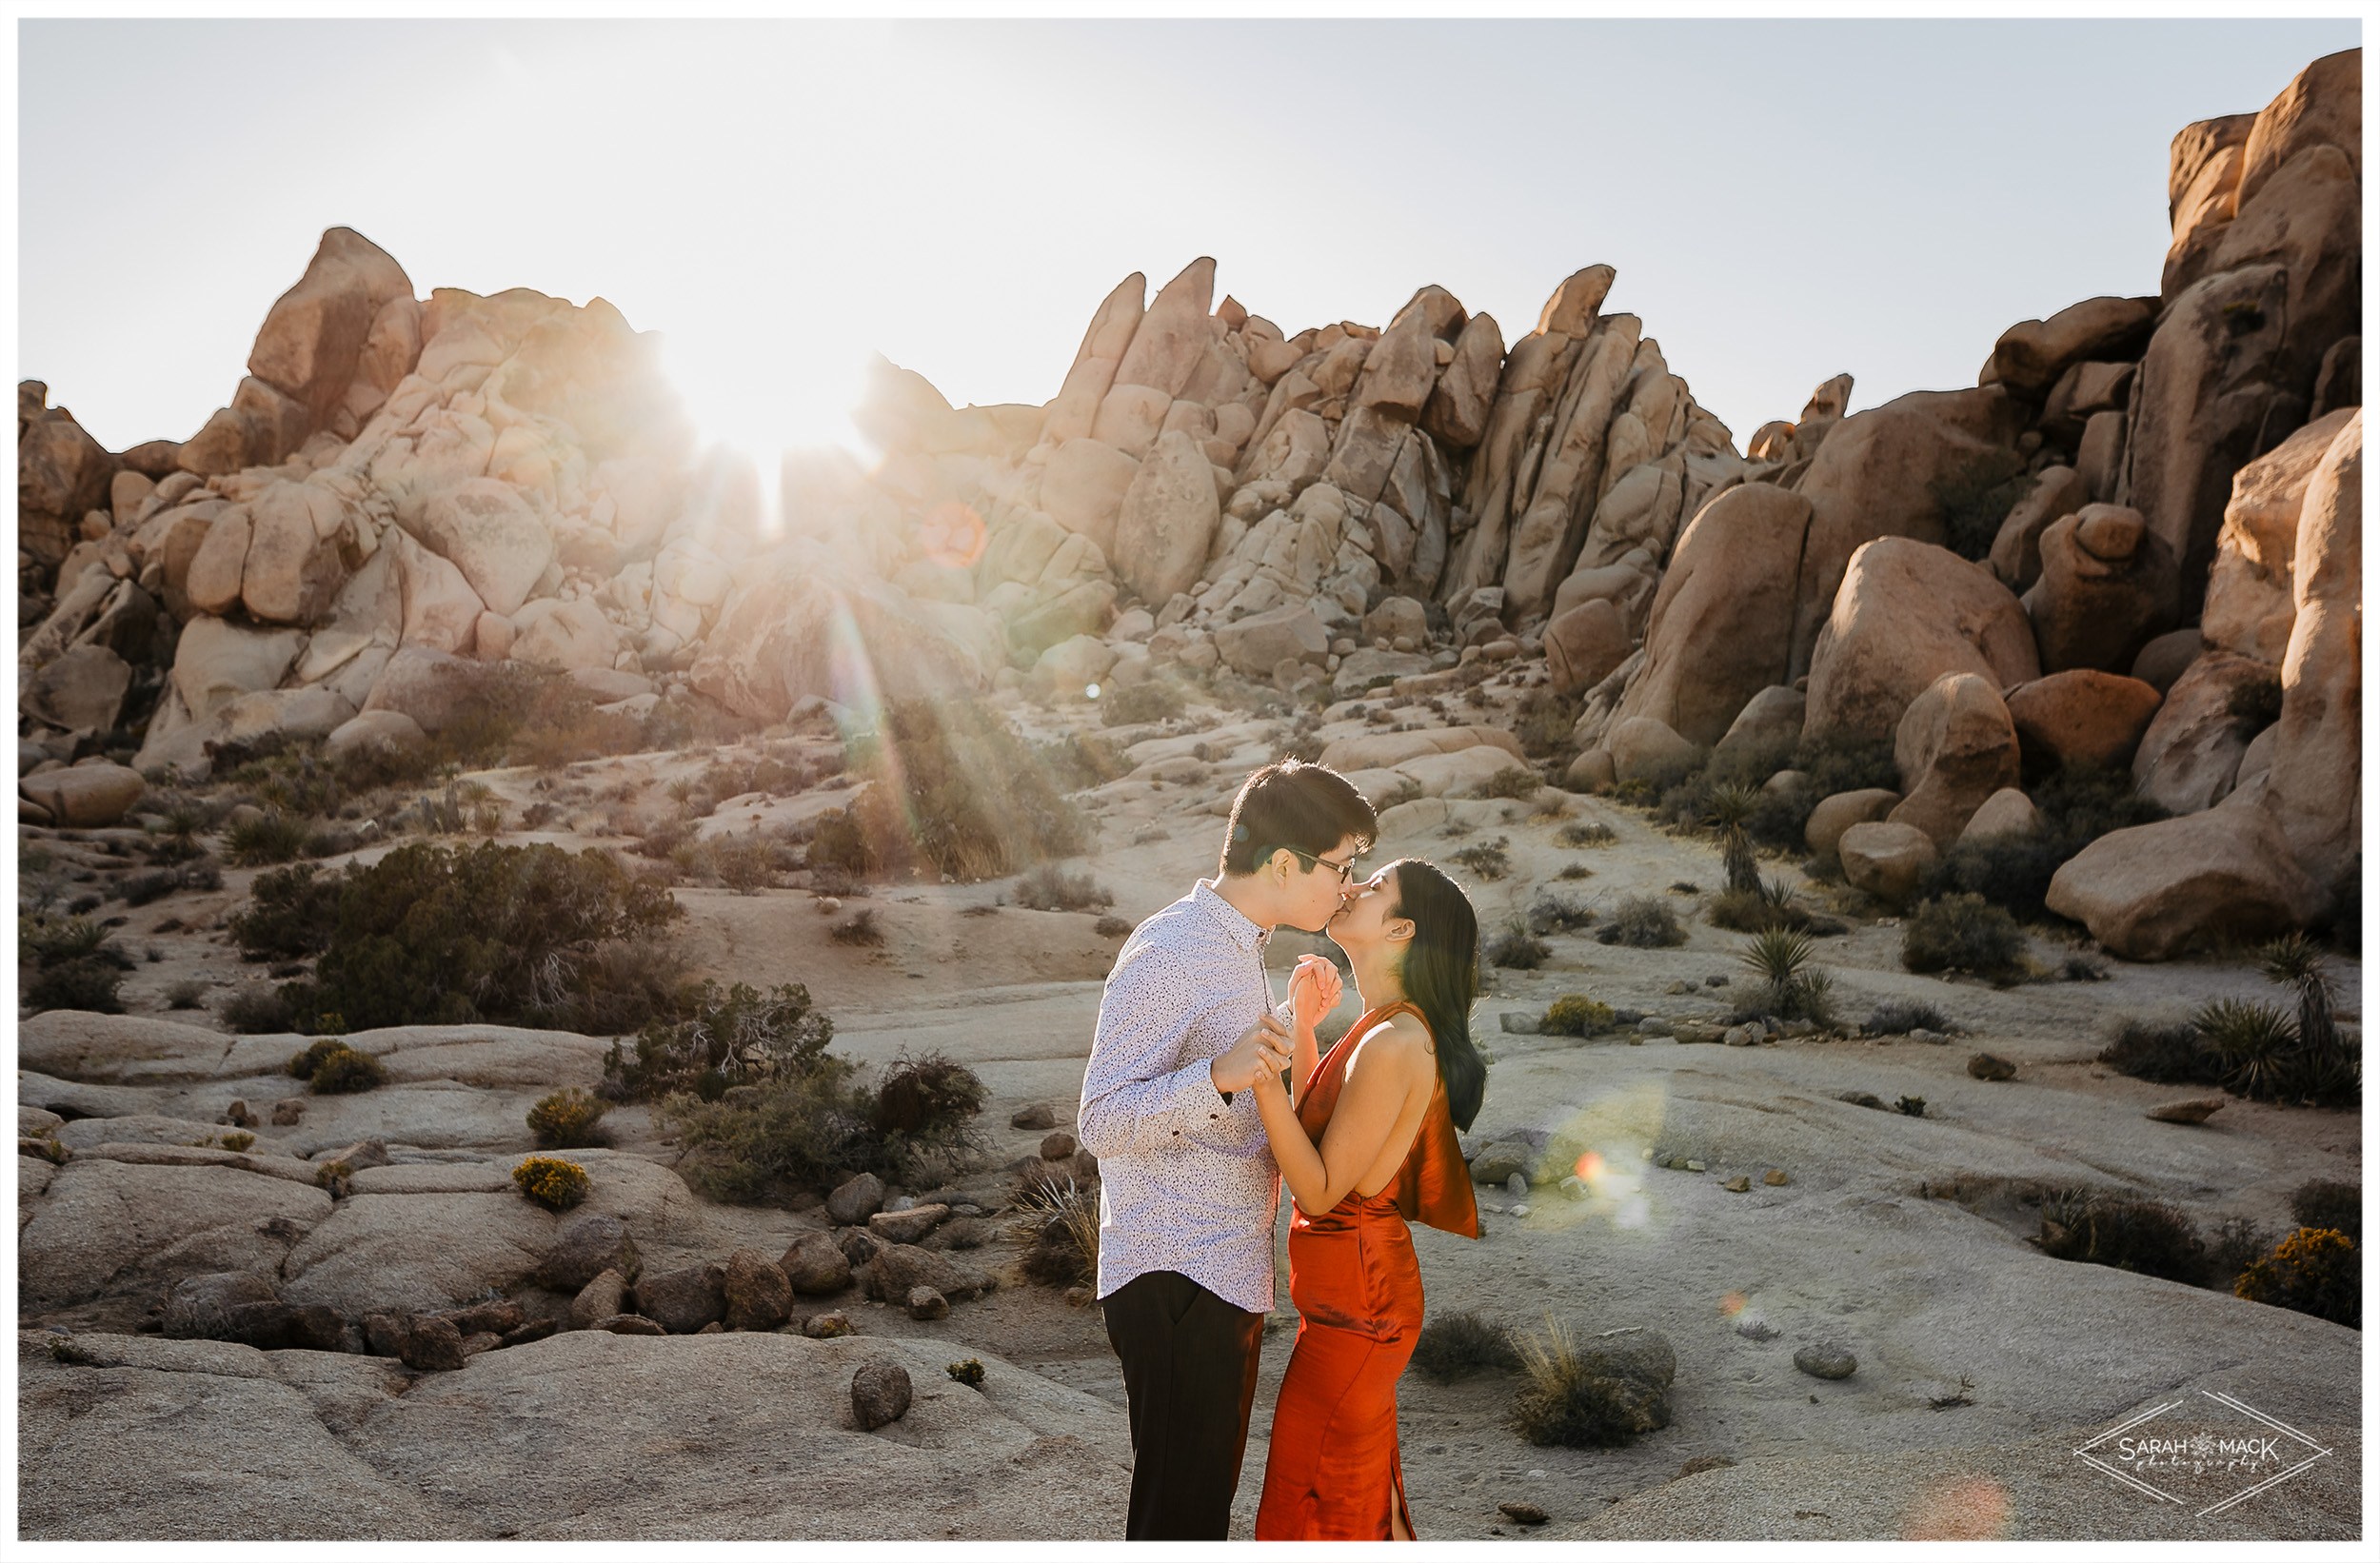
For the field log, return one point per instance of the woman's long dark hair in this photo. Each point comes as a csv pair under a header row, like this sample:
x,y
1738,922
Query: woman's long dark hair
x,y
1441,973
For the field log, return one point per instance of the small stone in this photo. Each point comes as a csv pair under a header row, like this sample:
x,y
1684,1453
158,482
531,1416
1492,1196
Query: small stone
x,y
880,1394
1990,1066
1057,1146
1708,1462
1826,1359
1523,1513
906,1226
485,1318
536,1329
1716,979
926,1304
630,1324
485,1340
1775,1179
287,1111
1695,1166
854,1201
587,1245
1743,1035
429,1345
759,1295
1679,986
2196,1110
826,1326
238,1115
1038,1116
600,1299
1741,1183
713,1328
815,1265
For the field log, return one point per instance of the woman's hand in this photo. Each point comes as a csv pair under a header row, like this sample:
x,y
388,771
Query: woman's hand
x,y
1314,990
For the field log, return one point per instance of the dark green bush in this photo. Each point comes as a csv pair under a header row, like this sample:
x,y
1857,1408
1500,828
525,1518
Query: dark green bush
x,y
2326,1203
89,983
928,1096
2146,1235
1963,932
2078,804
1595,833
1458,1344
2164,1051
1643,922
289,915
731,1037
1575,1015
567,1119
1552,913
798,1131
156,883
76,965
1153,700
429,935
257,1012
1519,949
275,838
304,1062
1514,780
1898,1016
1486,860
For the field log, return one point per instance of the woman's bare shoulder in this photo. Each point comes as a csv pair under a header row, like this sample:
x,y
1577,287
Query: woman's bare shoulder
x,y
1400,1043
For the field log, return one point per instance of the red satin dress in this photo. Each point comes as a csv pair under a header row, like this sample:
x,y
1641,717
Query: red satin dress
x,y
1334,1473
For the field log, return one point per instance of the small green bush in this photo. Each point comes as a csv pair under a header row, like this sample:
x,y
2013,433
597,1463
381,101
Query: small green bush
x,y
1558,913
1049,888
89,983
567,1119
797,1132
275,838
238,1139
257,1012
186,994
2237,1243
1460,1344
2326,1203
927,1097
1486,860
1593,833
47,941
304,1062
1963,932
728,1037
1898,1016
1063,1219
2252,1044
1645,923
1519,949
1110,927
551,1182
344,1072
2312,1270
969,1372
1575,1015
859,928
157,883
291,913
745,864
2164,1051
1512,782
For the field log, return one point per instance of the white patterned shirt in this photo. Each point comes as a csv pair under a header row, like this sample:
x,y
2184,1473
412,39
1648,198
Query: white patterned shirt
x,y
1187,1182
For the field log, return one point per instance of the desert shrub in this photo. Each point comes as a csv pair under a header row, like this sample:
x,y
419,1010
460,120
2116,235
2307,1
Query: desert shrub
x,y
89,983
550,1182
859,928
156,883
2312,1270
1898,1016
1460,1343
238,1139
1545,720
1050,888
274,837
344,1072
1079,760
2083,968
1973,500
1512,782
1152,700
1063,1218
1595,833
1770,903
485,933
2078,804
1963,932
2164,1051
1486,860
931,1095
1519,949
186,994
1564,1401
1835,764
567,1119
2146,1235
2326,1069
797,1131
1110,926
2236,1243
305,1061
955,789
969,1371
54,942
258,1011
2330,1205
745,864
1575,1015
1557,914
290,914
1643,922
731,1036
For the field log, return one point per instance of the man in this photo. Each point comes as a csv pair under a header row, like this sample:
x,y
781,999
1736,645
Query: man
x,y
1188,1188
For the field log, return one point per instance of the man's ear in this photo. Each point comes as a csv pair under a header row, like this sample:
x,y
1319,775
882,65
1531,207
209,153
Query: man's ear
x,y
1282,861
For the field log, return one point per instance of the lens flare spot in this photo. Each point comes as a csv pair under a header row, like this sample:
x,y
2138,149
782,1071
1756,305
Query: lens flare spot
x,y
1958,1509
1591,1166
1090,691
952,534
1731,1304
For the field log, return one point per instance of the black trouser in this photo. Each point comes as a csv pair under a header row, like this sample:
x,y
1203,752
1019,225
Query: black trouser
x,y
1190,1365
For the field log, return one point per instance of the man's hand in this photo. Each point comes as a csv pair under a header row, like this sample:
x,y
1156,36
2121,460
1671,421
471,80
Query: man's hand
x,y
1314,989
1263,1048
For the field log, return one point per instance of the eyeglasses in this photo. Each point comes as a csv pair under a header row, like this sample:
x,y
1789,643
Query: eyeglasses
x,y
1345,871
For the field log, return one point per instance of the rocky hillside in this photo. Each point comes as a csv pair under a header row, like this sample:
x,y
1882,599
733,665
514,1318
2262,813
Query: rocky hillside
x,y
2144,522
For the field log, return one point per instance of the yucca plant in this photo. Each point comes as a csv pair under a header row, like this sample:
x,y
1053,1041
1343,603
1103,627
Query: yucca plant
x,y
2295,962
1731,813
2253,1042
1777,955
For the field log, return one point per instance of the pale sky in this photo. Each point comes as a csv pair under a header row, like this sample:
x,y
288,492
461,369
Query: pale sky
x,y
1783,201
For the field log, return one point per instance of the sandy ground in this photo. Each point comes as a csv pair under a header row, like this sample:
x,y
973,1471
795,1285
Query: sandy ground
x,y
1897,1237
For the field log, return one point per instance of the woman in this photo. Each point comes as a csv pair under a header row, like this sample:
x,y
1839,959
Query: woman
x,y
1366,1143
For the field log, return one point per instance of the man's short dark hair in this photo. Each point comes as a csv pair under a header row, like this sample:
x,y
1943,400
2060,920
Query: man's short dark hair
x,y
1298,804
